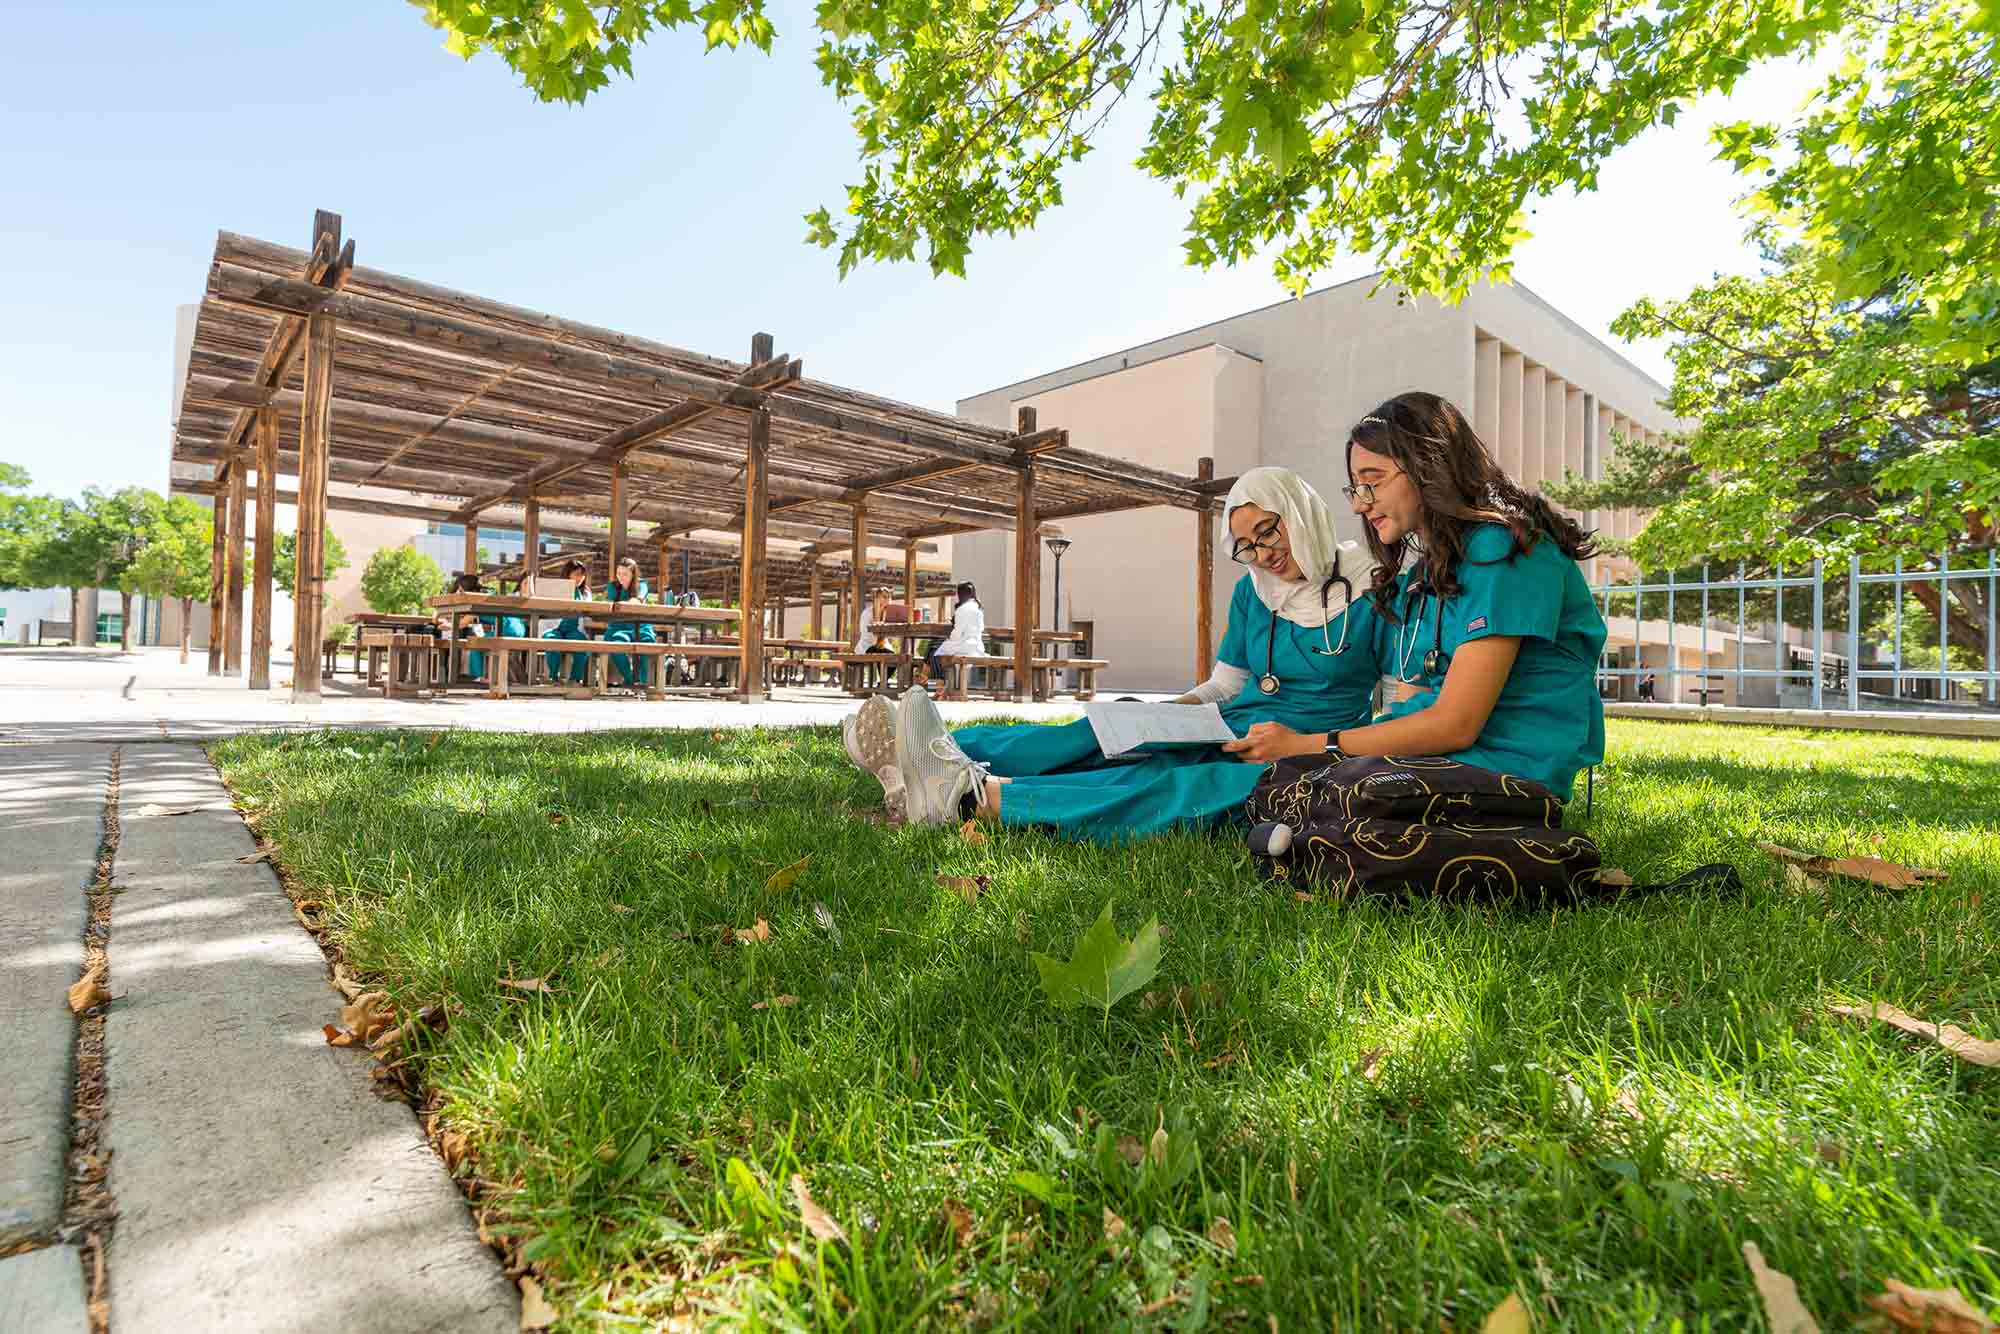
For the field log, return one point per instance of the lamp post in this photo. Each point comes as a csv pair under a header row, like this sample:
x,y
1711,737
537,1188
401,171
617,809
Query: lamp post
x,y
1057,544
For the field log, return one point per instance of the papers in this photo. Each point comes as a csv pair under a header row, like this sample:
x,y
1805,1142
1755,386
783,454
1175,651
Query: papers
x,y
1123,728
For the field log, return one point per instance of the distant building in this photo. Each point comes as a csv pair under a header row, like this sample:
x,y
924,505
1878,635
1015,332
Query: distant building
x,y
1281,386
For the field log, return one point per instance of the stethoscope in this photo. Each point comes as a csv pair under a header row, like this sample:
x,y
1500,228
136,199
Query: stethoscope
x,y
1436,661
1268,682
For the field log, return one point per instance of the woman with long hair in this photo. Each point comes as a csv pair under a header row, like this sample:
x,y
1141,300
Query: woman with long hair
x,y
1299,651
1484,612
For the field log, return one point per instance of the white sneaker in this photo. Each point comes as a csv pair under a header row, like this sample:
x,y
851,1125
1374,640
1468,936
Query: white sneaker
x,y
936,774
870,735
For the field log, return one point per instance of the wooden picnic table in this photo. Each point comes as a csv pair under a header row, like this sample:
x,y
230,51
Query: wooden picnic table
x,y
592,611
378,620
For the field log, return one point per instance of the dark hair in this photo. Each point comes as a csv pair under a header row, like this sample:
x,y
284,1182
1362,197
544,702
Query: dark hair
x,y
575,566
967,593
468,582
1459,487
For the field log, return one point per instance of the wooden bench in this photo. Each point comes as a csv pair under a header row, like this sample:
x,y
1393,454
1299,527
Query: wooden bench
x,y
403,664
863,674
501,648
1047,671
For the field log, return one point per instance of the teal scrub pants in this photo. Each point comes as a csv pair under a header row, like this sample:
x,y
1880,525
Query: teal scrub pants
x,y
627,632
1061,779
512,627
570,627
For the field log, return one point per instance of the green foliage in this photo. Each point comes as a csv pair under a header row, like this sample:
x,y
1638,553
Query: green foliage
x,y
28,524
176,560
1417,132
285,558
397,579
1103,969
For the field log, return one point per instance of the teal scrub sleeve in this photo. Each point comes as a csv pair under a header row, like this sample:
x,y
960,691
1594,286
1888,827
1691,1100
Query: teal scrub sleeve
x,y
1235,652
1520,597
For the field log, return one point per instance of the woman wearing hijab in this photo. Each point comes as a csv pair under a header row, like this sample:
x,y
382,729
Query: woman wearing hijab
x,y
1299,650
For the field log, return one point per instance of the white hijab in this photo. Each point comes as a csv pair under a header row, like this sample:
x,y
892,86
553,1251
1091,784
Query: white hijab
x,y
1316,546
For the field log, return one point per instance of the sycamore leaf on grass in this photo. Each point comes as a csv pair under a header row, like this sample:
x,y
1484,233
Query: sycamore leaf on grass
x,y
1935,1310
750,935
971,833
367,1018
967,887
1952,1038
817,1220
1783,1310
1611,875
527,984
777,1003
1873,869
536,1313
1509,1317
782,879
262,856
959,1219
1103,968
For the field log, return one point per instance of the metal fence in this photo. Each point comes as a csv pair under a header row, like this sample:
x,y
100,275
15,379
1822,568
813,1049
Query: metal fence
x,y
1825,678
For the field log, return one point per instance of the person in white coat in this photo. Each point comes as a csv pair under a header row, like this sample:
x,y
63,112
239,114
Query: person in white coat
x,y
865,639
968,632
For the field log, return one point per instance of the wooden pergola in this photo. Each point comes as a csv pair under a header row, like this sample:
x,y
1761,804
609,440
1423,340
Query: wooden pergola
x,y
305,365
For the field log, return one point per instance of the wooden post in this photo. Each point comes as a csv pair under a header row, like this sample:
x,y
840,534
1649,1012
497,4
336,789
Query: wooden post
x,y
666,569
910,578
756,501
1027,571
1204,581
261,553
858,573
472,545
218,571
531,545
315,445
813,620
232,630
620,507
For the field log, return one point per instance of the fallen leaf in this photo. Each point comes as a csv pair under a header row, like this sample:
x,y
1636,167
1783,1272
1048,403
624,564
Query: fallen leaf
x,y
1302,896
749,935
1830,1151
1114,1226
783,878
1156,1150
967,887
536,1313
454,1146
817,1220
1131,1150
1935,1310
88,990
971,833
366,1018
1223,1233
780,1002
959,1219
527,984
1873,869
261,856
153,808
620,908
605,960
1611,875
557,817
344,983
1783,1311
1798,881
1949,1036
1371,1062
1103,967
1509,1317
1626,1102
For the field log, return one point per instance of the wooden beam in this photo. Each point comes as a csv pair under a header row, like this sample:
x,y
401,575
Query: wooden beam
x,y
348,412
261,549
232,606
756,472
329,265
315,447
218,573
1204,582
478,392
1027,572
621,513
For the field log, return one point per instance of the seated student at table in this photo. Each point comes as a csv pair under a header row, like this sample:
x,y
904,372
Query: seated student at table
x,y
869,638
475,626
627,586
968,633
1486,613
571,627
682,665
1299,651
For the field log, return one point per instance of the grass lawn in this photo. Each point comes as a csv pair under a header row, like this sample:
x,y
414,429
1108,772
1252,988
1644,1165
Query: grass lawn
x,y
1404,1112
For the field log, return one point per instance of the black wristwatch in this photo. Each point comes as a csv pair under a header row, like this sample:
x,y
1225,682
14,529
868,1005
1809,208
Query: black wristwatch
x,y
1333,751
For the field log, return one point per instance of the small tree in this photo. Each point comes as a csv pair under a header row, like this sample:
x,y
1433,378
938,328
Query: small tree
x,y
398,579
285,558
27,527
176,559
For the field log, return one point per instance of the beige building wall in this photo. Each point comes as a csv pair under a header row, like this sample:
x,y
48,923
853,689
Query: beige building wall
x,y
1540,389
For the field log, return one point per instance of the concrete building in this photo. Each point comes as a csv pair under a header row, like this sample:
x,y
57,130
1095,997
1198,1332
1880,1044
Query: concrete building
x,y
1281,386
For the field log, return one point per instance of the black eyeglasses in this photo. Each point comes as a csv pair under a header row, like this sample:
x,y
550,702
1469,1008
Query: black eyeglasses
x,y
1363,493
1246,549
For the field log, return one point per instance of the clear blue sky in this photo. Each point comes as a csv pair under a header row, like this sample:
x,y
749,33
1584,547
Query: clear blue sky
x,y
670,206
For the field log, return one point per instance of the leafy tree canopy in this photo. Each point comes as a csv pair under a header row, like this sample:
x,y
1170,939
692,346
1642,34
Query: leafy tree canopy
x,y
285,558
397,579
176,558
1415,132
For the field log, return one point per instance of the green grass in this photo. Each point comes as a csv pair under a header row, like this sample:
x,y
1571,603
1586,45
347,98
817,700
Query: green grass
x,y
1494,1149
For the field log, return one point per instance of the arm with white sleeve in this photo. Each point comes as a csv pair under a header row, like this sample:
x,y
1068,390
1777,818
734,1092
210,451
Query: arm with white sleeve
x,y
1224,684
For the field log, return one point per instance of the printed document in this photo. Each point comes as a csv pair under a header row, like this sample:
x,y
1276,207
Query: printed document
x,y
1122,728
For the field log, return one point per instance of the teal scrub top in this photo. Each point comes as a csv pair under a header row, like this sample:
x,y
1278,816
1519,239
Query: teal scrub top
x,y
1549,720
1317,691
619,593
